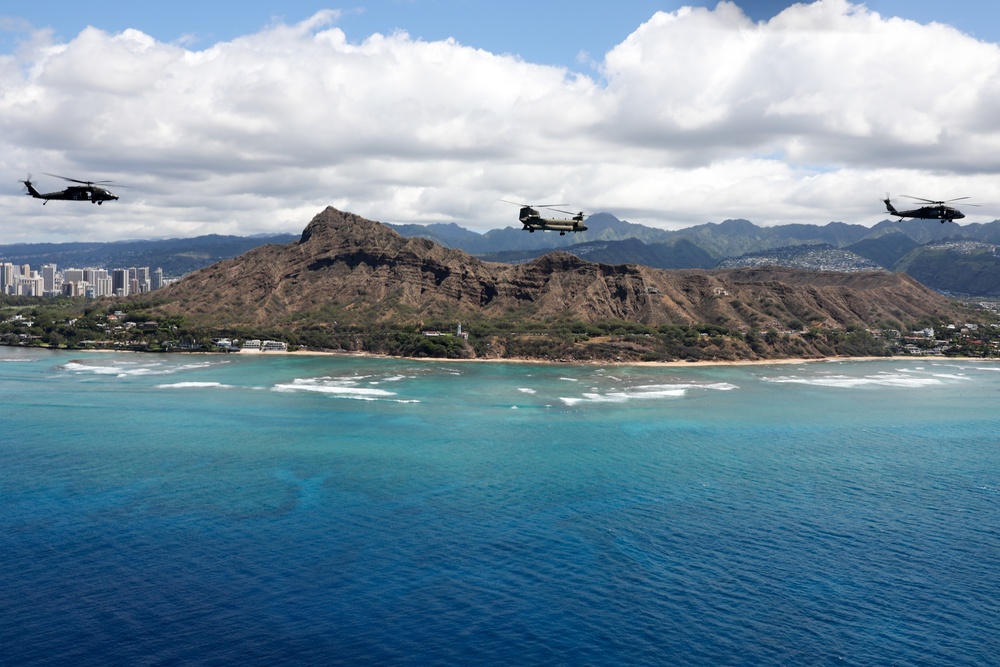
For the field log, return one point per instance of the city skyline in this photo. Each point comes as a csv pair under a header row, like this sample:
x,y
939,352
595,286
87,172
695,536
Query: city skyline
x,y
88,282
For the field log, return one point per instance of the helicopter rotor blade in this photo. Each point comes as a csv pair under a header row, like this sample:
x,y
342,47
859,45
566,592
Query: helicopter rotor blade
x,y
74,180
561,210
507,201
938,202
928,201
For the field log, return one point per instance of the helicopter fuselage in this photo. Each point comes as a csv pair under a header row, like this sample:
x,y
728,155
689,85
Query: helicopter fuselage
x,y
91,193
532,221
935,212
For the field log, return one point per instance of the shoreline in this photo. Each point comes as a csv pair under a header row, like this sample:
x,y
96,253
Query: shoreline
x,y
578,362
663,364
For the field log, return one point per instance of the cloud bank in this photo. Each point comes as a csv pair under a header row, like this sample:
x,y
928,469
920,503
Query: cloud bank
x,y
699,115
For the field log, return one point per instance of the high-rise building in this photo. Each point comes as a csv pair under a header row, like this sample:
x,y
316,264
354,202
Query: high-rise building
x,y
73,275
49,282
98,281
31,285
142,278
8,277
103,286
120,282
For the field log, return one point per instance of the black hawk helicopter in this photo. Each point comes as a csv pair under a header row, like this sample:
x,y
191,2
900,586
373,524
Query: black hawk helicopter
x,y
532,219
91,191
935,210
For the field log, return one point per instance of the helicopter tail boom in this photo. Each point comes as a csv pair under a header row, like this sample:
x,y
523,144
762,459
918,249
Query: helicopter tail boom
x,y
32,192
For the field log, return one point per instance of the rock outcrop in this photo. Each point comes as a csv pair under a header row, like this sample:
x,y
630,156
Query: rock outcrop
x,y
349,268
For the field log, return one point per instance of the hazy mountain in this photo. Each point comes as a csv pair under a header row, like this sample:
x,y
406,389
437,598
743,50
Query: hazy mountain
x,y
815,257
680,254
884,250
611,240
600,227
961,267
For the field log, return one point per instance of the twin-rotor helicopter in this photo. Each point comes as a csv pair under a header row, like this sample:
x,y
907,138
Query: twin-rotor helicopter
x,y
92,191
533,220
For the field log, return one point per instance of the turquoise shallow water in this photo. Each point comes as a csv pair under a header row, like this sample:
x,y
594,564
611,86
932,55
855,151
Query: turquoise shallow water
x,y
330,510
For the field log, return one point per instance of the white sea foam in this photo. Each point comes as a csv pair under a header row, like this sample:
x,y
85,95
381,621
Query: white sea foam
x,y
348,388
850,382
194,385
645,392
131,368
526,390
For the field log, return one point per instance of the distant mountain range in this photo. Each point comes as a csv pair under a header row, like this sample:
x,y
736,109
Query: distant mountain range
x,y
349,283
958,259
950,258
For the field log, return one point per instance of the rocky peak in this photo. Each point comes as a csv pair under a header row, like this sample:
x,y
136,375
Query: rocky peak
x,y
365,271
331,224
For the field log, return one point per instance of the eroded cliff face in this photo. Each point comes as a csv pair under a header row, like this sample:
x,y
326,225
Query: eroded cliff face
x,y
361,268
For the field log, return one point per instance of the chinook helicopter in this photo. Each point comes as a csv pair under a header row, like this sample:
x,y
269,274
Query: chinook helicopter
x,y
91,191
934,210
532,219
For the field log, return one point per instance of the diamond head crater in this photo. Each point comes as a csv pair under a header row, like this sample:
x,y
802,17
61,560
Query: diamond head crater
x,y
730,291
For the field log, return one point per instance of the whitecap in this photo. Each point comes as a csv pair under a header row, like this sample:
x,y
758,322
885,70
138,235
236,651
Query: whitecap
x,y
194,385
526,390
340,388
646,392
124,369
851,382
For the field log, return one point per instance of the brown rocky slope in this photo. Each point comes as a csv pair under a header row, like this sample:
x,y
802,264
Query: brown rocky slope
x,y
353,271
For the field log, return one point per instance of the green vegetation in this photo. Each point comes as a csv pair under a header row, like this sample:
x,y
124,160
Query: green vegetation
x,y
131,325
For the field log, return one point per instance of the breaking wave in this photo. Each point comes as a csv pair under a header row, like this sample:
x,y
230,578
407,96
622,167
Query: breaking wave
x,y
903,378
195,385
350,388
131,368
645,392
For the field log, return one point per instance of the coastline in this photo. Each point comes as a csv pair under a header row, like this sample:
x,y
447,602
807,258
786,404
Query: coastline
x,y
661,364
522,360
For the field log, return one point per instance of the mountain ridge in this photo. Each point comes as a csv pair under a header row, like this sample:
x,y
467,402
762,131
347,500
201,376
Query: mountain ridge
x,y
345,268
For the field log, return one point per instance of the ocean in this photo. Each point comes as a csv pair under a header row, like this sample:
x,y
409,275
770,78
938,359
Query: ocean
x,y
333,510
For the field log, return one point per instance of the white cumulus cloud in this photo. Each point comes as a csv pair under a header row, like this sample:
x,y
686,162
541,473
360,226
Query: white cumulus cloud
x,y
699,115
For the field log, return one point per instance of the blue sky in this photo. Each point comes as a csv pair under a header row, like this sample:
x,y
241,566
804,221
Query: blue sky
x,y
251,117
543,31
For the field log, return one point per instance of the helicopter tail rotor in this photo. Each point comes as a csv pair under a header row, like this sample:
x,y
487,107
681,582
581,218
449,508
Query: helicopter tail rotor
x,y
29,189
888,204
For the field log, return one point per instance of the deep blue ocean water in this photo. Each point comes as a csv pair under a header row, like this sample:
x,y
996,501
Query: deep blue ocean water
x,y
272,510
